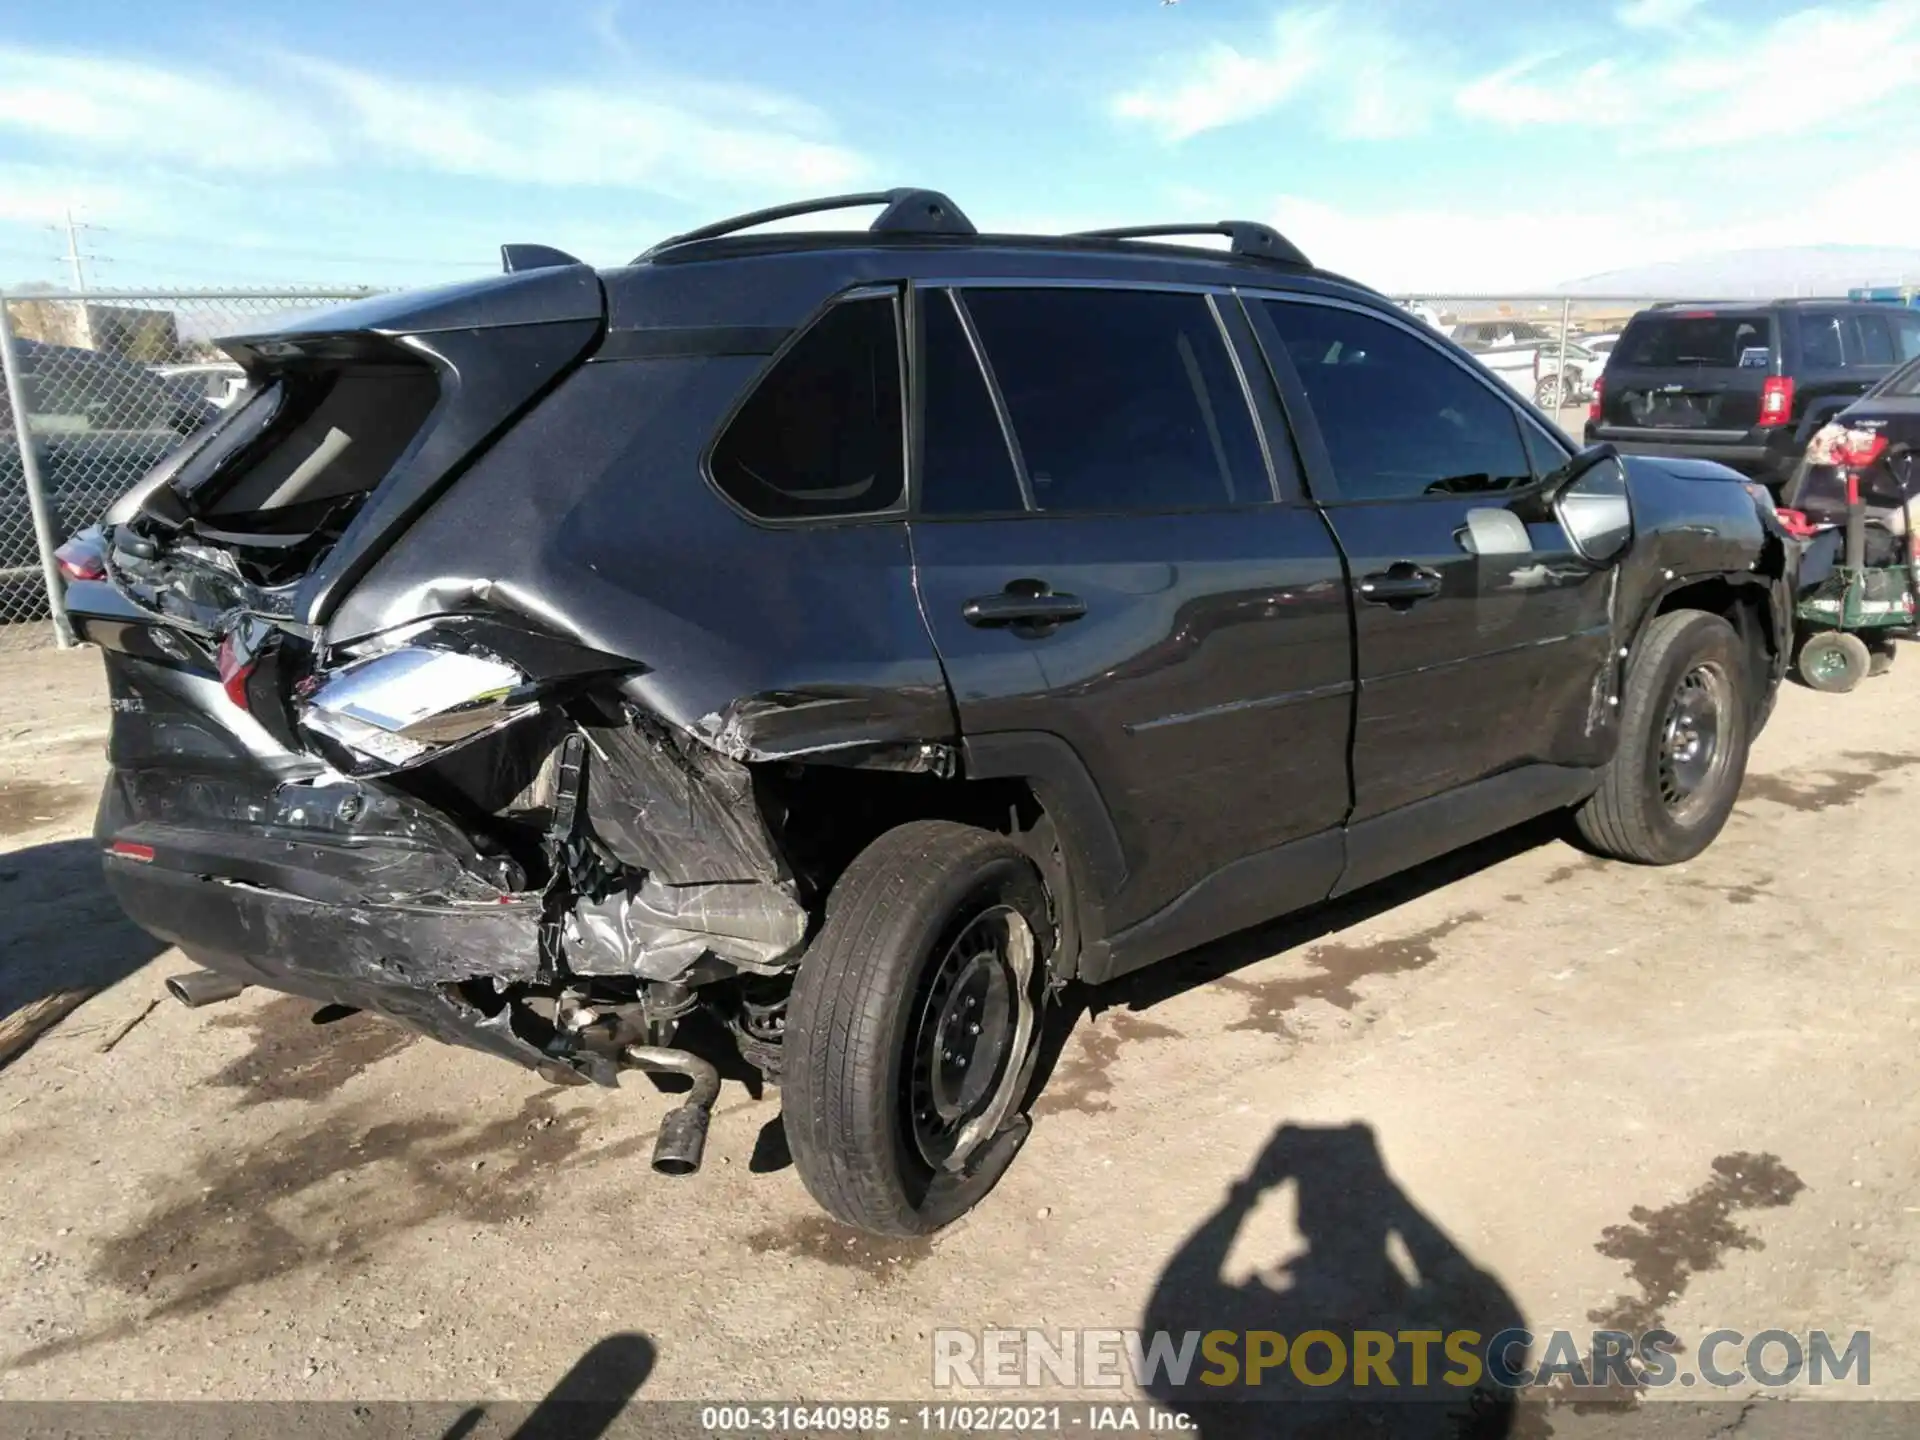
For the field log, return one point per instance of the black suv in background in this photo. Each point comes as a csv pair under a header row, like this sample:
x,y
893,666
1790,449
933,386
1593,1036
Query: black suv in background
x,y
1746,384
831,645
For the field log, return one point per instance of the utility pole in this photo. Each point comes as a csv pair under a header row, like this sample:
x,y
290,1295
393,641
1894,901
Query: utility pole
x,y
74,258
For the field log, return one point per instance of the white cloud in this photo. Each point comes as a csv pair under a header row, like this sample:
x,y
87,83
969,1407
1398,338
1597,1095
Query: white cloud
x,y
142,111
1655,14
1717,84
663,134
1444,250
1225,86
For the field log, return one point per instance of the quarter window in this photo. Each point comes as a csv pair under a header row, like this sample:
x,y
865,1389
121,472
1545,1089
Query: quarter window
x,y
821,435
1399,418
1121,400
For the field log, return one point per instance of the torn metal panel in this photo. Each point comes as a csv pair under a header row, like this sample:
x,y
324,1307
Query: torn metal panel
x,y
673,808
822,723
656,931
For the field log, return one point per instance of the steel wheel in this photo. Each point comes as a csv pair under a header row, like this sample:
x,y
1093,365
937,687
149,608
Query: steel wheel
x,y
974,1027
1691,758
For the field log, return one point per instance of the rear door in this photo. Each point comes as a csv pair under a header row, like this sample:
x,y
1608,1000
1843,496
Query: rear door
x,y
1843,353
1480,632
1102,557
1699,370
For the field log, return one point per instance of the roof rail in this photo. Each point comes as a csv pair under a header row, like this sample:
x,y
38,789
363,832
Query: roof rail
x,y
909,212
515,258
1251,239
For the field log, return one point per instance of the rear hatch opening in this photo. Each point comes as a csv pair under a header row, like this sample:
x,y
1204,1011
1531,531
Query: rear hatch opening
x,y
461,820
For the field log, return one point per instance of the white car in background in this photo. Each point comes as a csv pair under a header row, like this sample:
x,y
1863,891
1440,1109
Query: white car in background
x,y
1424,313
1600,349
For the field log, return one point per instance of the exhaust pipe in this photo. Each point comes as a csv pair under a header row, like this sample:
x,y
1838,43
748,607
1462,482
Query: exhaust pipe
x,y
202,987
683,1134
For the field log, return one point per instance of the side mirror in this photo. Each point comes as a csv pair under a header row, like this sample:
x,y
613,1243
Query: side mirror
x,y
1590,499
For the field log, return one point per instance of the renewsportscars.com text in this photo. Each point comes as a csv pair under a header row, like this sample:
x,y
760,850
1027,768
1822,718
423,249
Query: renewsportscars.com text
x,y
1382,1361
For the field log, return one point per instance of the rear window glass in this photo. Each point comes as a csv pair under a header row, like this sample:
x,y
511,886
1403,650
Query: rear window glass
x,y
821,435
1719,341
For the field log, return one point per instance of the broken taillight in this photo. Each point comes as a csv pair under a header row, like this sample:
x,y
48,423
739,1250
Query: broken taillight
x,y
1776,400
1857,449
236,668
81,558
397,707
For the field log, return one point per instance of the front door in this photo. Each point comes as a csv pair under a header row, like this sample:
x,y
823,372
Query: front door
x,y
1483,638
1101,557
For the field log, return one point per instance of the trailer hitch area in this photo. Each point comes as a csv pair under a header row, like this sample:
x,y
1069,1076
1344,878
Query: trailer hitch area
x,y
683,1133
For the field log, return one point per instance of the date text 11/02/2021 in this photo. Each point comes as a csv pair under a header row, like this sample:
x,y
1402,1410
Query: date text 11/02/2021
x,y
945,1419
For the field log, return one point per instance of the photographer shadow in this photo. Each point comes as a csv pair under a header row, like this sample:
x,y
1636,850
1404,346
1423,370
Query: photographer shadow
x,y
1373,1261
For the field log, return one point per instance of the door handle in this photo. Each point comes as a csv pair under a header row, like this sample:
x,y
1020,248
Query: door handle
x,y
1022,603
1401,583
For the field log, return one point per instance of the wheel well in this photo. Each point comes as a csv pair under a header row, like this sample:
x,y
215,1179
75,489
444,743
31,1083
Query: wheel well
x,y
1745,608
825,815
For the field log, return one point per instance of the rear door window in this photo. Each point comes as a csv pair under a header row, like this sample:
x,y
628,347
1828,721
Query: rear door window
x,y
822,433
1839,340
965,466
1400,419
1658,341
1120,399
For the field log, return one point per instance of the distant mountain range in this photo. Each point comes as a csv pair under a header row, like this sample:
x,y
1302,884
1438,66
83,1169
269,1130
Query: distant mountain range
x,y
1792,270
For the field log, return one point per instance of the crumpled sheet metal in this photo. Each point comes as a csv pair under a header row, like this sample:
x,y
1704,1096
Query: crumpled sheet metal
x,y
657,931
670,806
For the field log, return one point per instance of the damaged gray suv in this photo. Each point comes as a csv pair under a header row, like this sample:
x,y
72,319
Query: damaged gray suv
x,y
826,646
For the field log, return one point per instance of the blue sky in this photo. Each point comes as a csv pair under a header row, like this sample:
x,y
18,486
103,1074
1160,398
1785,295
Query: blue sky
x,y
1478,144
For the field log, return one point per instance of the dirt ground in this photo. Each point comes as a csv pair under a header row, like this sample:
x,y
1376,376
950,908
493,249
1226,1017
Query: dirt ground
x,y
1686,1095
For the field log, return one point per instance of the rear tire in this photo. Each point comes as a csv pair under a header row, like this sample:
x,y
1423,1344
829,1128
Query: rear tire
x,y
1682,754
1834,661
1880,655
913,1027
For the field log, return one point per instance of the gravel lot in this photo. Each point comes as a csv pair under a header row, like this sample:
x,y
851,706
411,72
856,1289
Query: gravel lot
x,y
1617,1092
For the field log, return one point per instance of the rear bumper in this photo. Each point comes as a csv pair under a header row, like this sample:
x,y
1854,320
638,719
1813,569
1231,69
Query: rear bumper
x,y
373,957
334,922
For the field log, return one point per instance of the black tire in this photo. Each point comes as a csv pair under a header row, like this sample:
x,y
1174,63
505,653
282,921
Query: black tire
x,y
1833,661
1880,655
866,1098
1660,800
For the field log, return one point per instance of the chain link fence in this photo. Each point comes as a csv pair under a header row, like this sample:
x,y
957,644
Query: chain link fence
x,y
99,387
